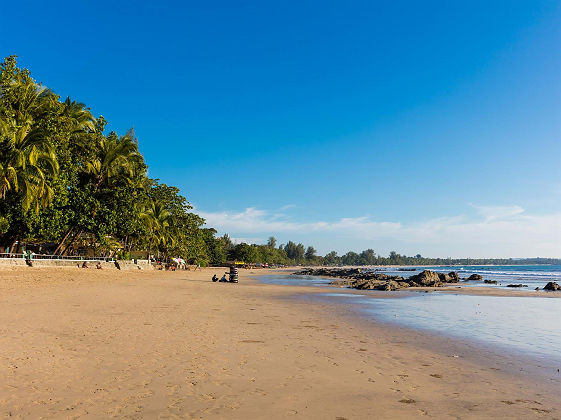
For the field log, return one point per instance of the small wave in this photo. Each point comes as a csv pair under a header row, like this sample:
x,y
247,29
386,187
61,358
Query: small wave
x,y
507,273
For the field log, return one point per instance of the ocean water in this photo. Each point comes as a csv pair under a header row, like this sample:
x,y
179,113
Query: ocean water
x,y
527,325
531,276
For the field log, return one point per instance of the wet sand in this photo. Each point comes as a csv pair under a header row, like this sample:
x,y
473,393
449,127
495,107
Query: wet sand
x,y
95,344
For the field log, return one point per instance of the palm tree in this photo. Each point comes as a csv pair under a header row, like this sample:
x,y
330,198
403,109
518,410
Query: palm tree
x,y
158,222
117,158
26,158
80,117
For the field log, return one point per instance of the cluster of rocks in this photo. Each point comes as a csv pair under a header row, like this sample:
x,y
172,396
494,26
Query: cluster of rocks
x,y
361,279
356,278
552,286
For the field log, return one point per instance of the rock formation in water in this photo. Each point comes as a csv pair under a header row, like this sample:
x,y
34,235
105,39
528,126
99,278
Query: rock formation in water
x,y
552,286
357,278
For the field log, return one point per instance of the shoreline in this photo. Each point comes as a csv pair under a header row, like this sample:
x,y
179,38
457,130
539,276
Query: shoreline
x,y
355,312
142,344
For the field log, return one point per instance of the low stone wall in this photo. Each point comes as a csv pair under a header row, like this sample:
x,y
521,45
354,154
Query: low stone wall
x,y
120,264
144,264
134,265
12,262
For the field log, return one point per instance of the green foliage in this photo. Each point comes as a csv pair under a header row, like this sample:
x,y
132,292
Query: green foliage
x,y
332,258
4,225
63,180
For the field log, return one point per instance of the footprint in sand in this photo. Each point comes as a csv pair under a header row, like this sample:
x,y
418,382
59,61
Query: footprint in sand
x,y
251,341
540,410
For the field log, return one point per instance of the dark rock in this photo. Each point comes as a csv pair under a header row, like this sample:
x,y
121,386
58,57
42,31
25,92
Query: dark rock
x,y
552,286
490,281
516,285
390,285
475,277
426,278
451,277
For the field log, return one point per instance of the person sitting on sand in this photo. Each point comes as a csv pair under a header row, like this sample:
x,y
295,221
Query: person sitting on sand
x,y
215,278
85,265
98,266
223,279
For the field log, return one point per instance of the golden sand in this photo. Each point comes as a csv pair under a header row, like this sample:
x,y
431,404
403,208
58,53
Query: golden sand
x,y
98,343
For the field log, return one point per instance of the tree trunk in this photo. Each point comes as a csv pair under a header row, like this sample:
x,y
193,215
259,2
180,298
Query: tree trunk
x,y
62,241
78,234
13,246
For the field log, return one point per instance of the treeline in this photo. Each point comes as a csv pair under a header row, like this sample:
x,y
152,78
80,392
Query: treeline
x,y
298,254
369,257
222,249
70,187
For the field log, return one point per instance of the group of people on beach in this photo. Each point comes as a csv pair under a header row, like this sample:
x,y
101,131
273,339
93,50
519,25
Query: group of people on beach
x,y
222,279
233,276
98,265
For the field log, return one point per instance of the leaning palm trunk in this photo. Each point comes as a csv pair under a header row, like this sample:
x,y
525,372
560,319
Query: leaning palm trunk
x,y
61,243
13,246
78,234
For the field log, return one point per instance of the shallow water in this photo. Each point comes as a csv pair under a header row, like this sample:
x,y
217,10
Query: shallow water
x,y
528,325
288,280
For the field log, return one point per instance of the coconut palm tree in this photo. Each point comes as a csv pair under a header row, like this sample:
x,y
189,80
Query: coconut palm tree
x,y
80,117
158,222
116,158
26,158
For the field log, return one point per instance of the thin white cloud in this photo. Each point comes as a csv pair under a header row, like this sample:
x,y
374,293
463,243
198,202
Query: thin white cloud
x,y
498,212
494,231
287,207
238,240
253,220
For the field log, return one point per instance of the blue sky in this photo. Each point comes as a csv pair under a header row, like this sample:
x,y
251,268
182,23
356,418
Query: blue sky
x,y
422,127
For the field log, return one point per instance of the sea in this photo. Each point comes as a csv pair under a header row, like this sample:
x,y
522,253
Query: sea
x,y
529,325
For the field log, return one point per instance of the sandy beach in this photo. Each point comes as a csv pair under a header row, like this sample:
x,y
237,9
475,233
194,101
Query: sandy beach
x,y
80,343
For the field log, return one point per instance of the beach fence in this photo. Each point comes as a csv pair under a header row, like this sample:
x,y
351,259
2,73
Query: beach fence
x,y
33,256
48,260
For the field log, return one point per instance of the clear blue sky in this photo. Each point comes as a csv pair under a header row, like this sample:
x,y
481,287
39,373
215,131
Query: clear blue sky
x,y
430,127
